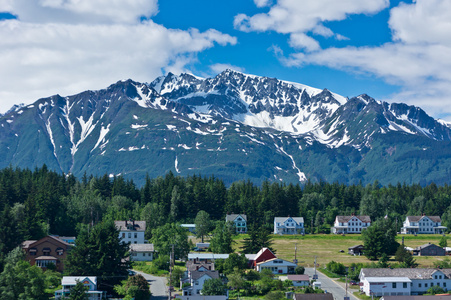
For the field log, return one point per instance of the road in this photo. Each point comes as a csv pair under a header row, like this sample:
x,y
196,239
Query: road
x,y
158,286
331,286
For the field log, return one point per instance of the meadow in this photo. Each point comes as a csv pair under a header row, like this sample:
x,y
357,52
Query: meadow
x,y
327,247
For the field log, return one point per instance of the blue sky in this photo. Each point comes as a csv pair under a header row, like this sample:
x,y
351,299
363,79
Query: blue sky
x,y
392,50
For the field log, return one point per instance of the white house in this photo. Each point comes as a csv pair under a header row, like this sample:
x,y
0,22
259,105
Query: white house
x,y
190,227
68,282
350,224
239,221
142,252
299,280
393,282
288,225
197,279
277,266
131,231
423,224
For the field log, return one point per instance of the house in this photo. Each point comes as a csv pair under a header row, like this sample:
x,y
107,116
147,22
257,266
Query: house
x,y
277,266
206,257
288,225
68,282
321,296
299,280
356,250
429,250
239,221
131,231
395,282
263,255
431,297
196,280
142,252
190,227
423,224
48,250
350,224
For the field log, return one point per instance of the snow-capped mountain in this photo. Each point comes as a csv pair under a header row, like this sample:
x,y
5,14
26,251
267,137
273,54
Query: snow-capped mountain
x,y
233,125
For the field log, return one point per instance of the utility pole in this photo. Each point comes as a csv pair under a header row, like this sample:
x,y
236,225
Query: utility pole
x,y
295,250
171,266
315,276
346,295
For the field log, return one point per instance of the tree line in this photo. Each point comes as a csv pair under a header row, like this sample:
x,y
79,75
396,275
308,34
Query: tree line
x,y
37,202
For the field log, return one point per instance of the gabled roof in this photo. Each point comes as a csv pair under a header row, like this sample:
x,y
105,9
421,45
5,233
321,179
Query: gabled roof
x,y
323,296
50,239
142,248
286,262
345,219
232,217
266,252
72,280
357,246
303,277
417,273
123,225
298,220
192,266
426,246
435,219
198,274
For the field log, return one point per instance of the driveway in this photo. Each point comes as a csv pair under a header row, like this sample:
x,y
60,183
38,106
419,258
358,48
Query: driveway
x,y
158,286
337,289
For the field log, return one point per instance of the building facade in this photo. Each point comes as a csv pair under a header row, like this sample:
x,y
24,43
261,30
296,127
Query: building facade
x,y
48,250
288,225
423,225
131,231
350,224
68,282
395,282
239,222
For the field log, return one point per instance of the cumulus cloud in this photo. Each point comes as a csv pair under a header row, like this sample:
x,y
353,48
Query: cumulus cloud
x,y
417,59
99,42
296,17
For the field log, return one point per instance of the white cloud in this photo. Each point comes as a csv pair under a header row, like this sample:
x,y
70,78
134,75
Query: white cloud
x,y
40,58
301,17
262,3
418,59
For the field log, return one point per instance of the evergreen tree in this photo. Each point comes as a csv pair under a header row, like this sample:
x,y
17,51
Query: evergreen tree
x,y
259,237
221,241
78,292
170,234
443,242
100,253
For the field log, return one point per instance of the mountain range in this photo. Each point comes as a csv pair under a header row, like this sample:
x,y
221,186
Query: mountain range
x,y
233,126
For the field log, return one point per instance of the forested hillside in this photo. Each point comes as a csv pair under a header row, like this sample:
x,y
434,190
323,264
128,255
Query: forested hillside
x,y
36,202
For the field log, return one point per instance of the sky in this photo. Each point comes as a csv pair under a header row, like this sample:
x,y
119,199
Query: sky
x,y
396,51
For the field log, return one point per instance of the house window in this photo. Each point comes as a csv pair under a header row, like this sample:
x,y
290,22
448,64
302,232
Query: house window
x,y
393,285
129,235
33,251
419,285
425,285
136,235
123,234
444,284
60,251
46,251
435,276
404,285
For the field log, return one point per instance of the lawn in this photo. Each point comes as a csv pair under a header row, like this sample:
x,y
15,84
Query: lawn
x,y
326,247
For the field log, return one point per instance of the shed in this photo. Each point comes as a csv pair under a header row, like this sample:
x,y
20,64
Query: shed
x,y
356,250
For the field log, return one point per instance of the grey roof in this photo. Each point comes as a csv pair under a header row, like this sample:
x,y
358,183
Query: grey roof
x,y
192,266
211,256
427,245
356,246
232,217
435,219
418,273
138,225
283,219
325,296
298,277
142,248
198,274
345,219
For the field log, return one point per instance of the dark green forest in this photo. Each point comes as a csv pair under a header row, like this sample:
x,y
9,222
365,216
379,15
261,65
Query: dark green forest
x,y
34,203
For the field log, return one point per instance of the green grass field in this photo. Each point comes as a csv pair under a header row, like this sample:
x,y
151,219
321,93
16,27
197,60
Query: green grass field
x,y
326,247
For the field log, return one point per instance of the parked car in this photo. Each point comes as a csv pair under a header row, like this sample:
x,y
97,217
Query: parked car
x,y
353,282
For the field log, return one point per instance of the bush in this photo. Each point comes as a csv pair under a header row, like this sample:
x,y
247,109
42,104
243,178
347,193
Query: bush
x,y
299,270
336,268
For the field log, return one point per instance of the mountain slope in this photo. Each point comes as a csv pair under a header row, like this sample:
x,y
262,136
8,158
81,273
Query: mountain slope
x,y
235,126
